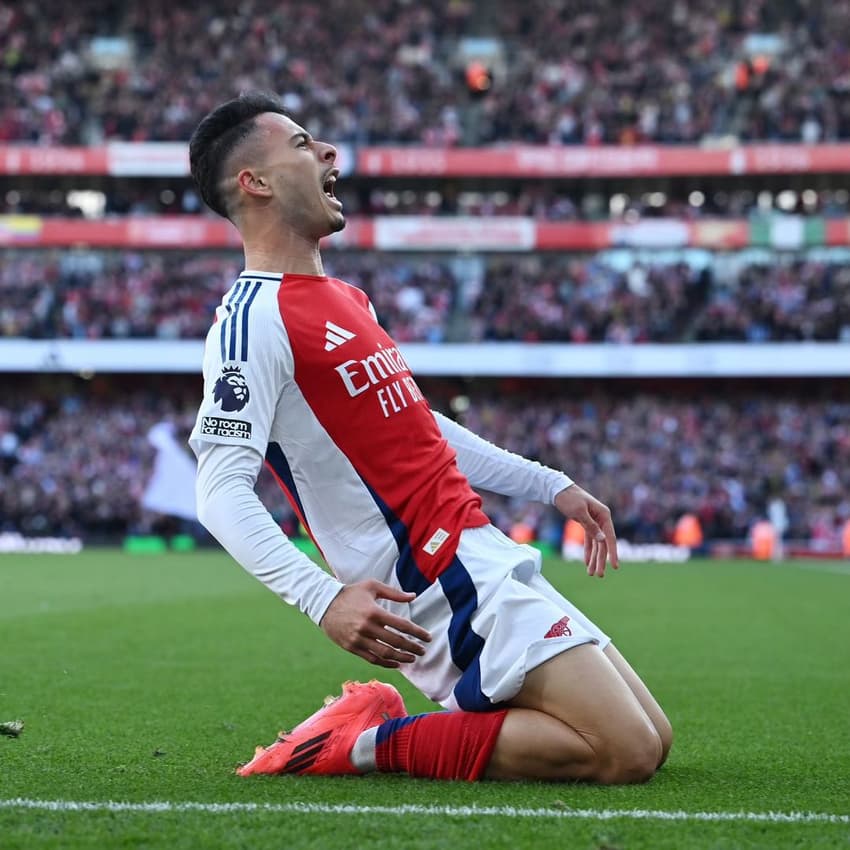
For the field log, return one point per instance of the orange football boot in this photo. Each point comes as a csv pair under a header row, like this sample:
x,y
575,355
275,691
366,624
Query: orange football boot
x,y
322,743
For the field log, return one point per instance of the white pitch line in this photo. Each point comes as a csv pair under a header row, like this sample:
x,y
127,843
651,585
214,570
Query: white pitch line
x,y
443,811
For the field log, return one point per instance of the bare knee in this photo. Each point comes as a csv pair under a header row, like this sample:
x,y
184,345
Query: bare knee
x,y
645,698
630,759
534,745
665,733
601,733
632,756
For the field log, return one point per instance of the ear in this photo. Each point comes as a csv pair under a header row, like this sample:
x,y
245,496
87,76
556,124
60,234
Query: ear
x,y
252,183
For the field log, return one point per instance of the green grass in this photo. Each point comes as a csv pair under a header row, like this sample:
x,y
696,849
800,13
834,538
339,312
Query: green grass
x,y
148,678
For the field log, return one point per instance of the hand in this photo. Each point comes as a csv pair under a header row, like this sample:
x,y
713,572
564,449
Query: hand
x,y
600,541
359,625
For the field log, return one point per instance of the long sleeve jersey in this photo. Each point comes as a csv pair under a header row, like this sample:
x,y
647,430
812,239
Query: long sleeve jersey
x,y
298,374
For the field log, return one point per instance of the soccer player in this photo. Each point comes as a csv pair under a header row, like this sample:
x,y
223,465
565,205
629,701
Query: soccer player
x,y
298,373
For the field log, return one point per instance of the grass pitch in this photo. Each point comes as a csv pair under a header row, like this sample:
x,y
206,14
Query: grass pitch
x,y
146,679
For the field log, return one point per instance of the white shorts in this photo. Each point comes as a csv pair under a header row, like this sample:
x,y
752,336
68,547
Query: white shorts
x,y
492,618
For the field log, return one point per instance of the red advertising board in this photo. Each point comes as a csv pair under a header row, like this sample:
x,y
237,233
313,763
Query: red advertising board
x,y
169,159
394,233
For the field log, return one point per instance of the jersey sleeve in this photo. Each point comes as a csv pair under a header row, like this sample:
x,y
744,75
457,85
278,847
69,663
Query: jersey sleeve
x,y
495,469
233,513
247,362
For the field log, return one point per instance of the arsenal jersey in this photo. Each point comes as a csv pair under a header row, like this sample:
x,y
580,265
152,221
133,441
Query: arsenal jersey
x,y
297,368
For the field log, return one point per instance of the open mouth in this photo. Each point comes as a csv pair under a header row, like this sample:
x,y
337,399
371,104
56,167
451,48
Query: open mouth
x,y
328,188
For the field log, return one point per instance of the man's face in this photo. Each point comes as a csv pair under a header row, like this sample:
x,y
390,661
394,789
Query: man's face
x,y
301,173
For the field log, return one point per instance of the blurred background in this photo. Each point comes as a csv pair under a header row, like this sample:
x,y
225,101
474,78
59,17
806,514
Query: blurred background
x,y
611,237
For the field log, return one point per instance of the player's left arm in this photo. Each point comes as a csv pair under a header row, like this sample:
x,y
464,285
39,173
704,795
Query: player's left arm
x,y
495,469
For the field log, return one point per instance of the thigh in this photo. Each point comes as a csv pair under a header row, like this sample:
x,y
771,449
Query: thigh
x,y
583,689
643,696
576,718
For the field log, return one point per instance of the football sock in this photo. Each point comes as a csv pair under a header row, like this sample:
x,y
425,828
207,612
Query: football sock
x,y
438,745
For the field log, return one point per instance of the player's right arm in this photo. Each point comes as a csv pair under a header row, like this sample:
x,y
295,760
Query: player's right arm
x,y
247,364
230,509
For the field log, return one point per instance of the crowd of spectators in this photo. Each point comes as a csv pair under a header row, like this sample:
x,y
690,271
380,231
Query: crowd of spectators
x,y
377,71
79,463
360,70
790,303
567,299
88,295
119,295
653,457
78,466
437,298
591,72
564,299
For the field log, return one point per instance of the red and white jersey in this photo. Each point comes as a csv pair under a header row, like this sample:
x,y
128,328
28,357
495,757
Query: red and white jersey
x,y
297,368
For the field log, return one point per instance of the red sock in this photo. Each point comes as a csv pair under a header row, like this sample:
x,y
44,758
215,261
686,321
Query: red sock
x,y
440,745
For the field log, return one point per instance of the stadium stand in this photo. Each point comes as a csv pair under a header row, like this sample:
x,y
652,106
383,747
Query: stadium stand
x,y
425,298
690,190
651,453
558,71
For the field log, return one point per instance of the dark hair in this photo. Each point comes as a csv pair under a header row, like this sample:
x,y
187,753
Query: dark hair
x,y
217,136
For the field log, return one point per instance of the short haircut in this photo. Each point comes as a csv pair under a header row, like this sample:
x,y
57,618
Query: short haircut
x,y
218,135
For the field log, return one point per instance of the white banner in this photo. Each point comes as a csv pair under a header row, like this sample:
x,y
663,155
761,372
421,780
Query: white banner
x,y
664,553
171,159
494,359
461,233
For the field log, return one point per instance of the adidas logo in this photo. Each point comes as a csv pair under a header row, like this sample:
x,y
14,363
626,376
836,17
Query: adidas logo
x,y
335,336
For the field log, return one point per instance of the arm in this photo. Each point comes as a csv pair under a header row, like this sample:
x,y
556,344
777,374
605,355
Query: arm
x,y
233,513
495,469
492,468
230,438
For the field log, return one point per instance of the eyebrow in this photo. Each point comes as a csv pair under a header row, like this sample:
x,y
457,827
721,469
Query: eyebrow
x,y
302,135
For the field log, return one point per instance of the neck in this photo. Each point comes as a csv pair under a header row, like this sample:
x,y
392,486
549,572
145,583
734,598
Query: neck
x,y
286,252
